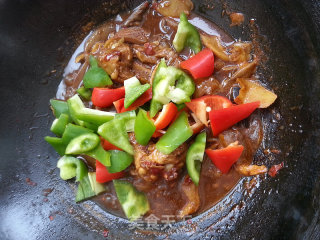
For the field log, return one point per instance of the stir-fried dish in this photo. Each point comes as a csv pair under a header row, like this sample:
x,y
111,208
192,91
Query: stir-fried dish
x,y
161,117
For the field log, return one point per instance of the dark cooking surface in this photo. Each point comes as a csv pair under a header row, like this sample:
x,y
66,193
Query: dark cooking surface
x,y
30,34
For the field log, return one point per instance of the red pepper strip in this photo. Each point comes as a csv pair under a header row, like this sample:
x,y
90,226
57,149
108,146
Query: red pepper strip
x,y
224,158
104,97
200,65
102,174
199,106
166,116
222,119
275,169
157,134
145,97
107,145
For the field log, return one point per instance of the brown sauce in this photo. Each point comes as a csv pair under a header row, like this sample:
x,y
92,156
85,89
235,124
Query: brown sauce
x,y
165,197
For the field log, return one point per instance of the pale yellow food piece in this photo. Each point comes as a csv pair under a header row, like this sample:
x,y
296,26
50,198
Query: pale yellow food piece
x,y
252,91
173,8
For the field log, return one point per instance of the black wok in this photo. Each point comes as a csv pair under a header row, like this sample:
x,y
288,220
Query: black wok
x,y
36,40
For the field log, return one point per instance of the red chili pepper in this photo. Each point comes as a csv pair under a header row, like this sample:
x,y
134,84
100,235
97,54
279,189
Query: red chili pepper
x,y
119,105
200,65
102,174
104,97
107,145
222,119
224,158
166,116
275,169
199,106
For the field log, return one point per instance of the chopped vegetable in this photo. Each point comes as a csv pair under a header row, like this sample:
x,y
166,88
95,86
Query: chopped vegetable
x,y
133,202
71,167
186,36
166,116
104,97
129,117
178,132
214,44
57,143
195,156
82,113
85,93
103,175
222,119
200,65
59,125
224,158
100,154
252,91
119,161
273,171
96,76
119,105
107,145
95,186
201,106
115,132
59,107
82,144
143,128
171,84
133,90
84,190
72,131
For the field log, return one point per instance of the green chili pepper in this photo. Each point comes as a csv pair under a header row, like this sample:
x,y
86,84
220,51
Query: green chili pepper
x,y
180,106
59,107
129,119
119,161
82,144
115,132
85,93
57,143
195,156
72,131
100,154
143,128
133,90
84,190
187,35
155,105
71,167
95,186
59,125
80,112
177,133
133,202
96,76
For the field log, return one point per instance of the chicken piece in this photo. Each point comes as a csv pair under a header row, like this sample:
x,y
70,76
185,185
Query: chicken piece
x,y
133,35
142,72
215,45
139,52
151,164
173,8
240,52
191,197
115,57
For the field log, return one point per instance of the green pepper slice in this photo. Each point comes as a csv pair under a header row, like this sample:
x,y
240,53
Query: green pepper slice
x,y
96,76
100,154
85,190
178,132
72,131
59,125
133,202
119,161
85,93
129,118
133,90
187,35
57,143
143,128
59,107
195,157
71,167
82,144
80,112
115,132
95,186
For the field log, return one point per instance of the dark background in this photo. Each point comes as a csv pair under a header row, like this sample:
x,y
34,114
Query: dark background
x,y
36,40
